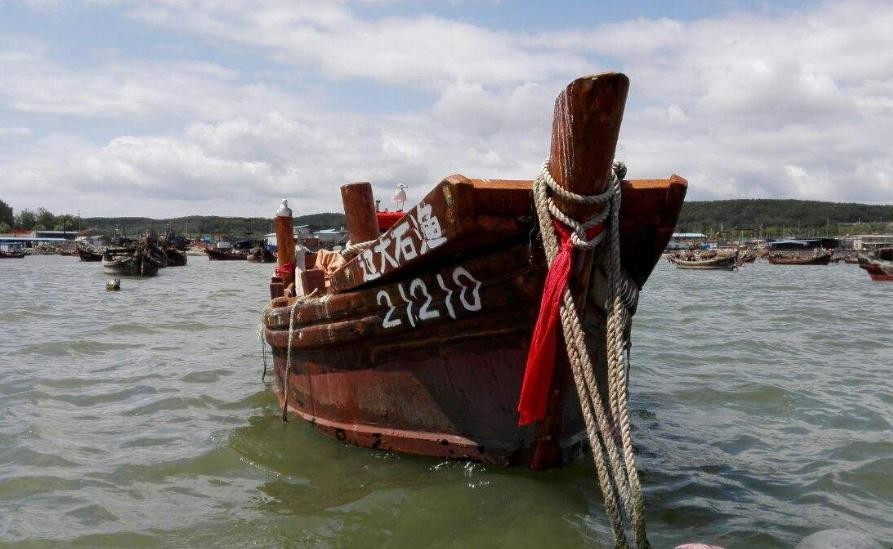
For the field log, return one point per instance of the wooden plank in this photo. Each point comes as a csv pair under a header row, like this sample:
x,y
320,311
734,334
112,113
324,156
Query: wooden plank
x,y
446,214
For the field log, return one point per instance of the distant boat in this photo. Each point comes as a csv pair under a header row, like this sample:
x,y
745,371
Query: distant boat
x,y
709,261
11,251
879,265
131,261
89,254
260,254
175,257
817,258
225,254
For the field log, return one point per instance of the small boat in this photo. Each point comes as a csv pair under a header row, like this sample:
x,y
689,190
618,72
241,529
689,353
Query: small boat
x,y
225,254
11,251
822,257
260,254
89,254
175,257
130,261
705,261
879,265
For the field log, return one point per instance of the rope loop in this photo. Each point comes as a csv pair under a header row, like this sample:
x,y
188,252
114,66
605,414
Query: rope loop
x,y
545,183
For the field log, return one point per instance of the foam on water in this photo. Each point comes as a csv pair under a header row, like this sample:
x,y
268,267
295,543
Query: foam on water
x,y
762,407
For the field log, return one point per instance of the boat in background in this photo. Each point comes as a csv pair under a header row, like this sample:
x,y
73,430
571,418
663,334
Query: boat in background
x,y
89,253
11,251
129,261
224,251
819,257
260,254
879,265
705,261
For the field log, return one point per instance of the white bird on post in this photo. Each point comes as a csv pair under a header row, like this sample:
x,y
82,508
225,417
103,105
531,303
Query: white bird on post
x,y
400,196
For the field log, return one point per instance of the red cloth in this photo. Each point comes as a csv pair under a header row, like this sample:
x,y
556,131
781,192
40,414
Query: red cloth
x,y
544,342
285,268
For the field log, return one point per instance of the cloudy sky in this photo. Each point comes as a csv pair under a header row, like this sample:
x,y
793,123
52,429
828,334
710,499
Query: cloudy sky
x,y
172,107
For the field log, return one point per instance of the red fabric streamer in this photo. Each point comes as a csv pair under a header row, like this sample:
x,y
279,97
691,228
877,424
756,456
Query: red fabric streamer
x,y
544,342
285,268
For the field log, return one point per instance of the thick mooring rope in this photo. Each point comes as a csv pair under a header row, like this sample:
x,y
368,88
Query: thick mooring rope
x,y
615,466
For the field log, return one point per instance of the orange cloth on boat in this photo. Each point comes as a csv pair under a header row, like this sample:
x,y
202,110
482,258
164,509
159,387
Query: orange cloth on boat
x,y
328,262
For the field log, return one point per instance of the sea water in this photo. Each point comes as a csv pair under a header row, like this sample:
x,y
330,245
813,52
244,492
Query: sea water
x,y
762,406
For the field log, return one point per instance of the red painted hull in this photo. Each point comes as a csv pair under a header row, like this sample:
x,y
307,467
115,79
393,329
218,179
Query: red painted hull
x,y
878,273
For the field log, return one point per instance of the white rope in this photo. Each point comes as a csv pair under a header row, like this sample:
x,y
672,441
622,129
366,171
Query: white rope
x,y
615,463
291,333
352,250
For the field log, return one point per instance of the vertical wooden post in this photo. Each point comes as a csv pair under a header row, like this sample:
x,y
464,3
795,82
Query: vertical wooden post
x,y
585,128
359,211
285,244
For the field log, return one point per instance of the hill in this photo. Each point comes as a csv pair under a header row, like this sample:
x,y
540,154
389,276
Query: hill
x,y
809,216
197,225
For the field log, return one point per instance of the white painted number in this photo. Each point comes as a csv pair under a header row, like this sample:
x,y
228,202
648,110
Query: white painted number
x,y
388,321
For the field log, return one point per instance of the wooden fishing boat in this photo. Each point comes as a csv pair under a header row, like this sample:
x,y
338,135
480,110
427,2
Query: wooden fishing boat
x,y
260,254
225,254
175,257
709,260
879,265
719,263
818,258
11,252
130,261
89,254
419,342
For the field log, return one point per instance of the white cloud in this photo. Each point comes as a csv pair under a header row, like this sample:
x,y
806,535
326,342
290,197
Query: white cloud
x,y
794,104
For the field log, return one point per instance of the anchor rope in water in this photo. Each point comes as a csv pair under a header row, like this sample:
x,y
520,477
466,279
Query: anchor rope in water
x,y
615,466
263,351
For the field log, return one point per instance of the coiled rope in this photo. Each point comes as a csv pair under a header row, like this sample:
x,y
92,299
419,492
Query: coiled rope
x,y
615,463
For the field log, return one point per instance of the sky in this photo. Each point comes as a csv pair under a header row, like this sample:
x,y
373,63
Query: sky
x,y
223,107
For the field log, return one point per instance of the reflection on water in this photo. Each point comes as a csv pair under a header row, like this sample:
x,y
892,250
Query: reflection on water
x,y
761,407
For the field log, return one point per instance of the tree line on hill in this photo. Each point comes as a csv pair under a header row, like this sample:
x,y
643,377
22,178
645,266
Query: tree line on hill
x,y
775,218
754,217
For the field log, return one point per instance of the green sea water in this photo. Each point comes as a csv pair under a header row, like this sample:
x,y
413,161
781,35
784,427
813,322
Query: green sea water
x,y
762,404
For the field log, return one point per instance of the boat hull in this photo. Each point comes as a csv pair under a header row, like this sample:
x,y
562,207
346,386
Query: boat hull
x,y
444,386
879,272
718,264
823,259
130,265
223,255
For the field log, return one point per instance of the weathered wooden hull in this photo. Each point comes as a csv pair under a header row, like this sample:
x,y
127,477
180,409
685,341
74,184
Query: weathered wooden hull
x,y
261,255
224,255
823,259
175,257
432,362
88,255
717,264
130,265
879,271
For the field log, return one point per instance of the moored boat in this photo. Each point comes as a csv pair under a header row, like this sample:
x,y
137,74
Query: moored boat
x,y
175,257
419,342
89,254
130,261
819,257
11,251
441,335
878,265
260,254
707,261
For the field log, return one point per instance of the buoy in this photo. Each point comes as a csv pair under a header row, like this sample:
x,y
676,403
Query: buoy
x,y
113,285
838,539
